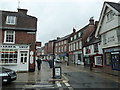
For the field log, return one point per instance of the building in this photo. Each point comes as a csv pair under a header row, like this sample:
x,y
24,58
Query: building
x,y
109,31
92,50
61,48
17,40
48,49
77,41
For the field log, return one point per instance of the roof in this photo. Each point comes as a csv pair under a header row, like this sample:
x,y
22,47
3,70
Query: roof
x,y
114,5
63,38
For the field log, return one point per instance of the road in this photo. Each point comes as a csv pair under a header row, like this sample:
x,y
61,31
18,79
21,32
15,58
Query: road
x,y
77,77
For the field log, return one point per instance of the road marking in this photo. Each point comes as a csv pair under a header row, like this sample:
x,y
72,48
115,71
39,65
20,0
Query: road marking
x,y
70,88
67,84
37,86
58,84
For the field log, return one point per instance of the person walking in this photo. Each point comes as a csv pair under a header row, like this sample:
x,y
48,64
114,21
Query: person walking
x,y
39,62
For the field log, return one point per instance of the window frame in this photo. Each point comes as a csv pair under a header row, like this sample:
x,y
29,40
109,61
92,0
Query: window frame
x,y
5,37
11,20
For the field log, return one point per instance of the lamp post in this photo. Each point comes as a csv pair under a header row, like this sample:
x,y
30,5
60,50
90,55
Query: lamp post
x,y
53,59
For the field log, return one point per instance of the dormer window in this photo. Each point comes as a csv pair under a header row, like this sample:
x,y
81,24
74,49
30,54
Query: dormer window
x,y
88,39
79,34
11,20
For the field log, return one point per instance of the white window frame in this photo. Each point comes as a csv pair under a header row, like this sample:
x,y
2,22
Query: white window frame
x,y
5,37
11,20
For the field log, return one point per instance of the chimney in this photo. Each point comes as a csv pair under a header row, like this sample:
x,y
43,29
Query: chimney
x,y
23,11
74,30
58,38
91,21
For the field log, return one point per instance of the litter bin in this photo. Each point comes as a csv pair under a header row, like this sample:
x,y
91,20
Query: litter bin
x,y
57,72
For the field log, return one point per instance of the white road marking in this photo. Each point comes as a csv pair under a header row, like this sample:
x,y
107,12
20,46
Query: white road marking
x,y
67,84
59,85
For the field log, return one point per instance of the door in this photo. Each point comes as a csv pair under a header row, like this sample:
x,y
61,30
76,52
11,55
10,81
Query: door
x,y
115,60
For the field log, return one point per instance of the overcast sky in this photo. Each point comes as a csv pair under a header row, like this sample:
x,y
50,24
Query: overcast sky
x,y
56,18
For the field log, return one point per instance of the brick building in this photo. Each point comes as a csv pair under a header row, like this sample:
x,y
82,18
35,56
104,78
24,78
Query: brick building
x,y
48,49
61,48
77,41
17,40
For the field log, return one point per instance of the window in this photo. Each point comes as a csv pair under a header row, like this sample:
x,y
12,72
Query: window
x,y
104,39
107,58
9,37
71,38
75,36
76,45
64,48
87,50
65,42
11,20
80,45
79,34
110,16
23,56
95,47
8,56
98,60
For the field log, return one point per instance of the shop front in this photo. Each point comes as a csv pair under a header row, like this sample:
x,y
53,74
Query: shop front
x,y
16,57
78,57
112,58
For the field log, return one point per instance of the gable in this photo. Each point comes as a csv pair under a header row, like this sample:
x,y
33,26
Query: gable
x,y
105,25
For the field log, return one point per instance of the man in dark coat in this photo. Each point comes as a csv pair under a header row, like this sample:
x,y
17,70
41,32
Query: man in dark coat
x,y
39,63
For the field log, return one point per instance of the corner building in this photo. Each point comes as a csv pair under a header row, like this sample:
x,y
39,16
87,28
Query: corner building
x,y
17,40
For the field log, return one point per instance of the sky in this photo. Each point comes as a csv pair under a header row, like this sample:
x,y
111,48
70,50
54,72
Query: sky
x,y
56,18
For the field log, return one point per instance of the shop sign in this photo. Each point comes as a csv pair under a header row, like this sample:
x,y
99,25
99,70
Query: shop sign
x,y
14,46
112,49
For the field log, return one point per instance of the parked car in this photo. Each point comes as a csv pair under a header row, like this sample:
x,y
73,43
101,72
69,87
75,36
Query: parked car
x,y
7,75
58,61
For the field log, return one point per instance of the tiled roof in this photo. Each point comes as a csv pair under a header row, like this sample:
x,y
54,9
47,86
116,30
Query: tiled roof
x,y
115,5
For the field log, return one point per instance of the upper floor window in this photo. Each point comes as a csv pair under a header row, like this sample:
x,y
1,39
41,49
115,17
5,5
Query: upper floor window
x,y
95,47
104,39
9,37
65,42
79,34
110,16
75,36
11,20
71,38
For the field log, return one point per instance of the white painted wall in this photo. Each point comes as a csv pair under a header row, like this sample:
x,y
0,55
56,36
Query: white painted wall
x,y
108,25
108,36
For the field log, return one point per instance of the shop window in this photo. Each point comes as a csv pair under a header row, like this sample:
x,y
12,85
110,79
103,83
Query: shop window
x,y
23,56
8,56
9,37
107,58
11,20
98,60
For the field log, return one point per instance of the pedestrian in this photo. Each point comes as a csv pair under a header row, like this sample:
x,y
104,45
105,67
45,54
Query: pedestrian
x,y
91,63
39,62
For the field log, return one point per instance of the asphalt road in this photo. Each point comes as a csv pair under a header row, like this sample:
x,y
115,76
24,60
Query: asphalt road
x,y
89,80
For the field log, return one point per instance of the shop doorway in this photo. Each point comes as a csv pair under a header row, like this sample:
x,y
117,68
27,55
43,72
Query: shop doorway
x,y
115,60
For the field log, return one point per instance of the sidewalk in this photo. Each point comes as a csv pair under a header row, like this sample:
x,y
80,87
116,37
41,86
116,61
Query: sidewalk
x,y
42,76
